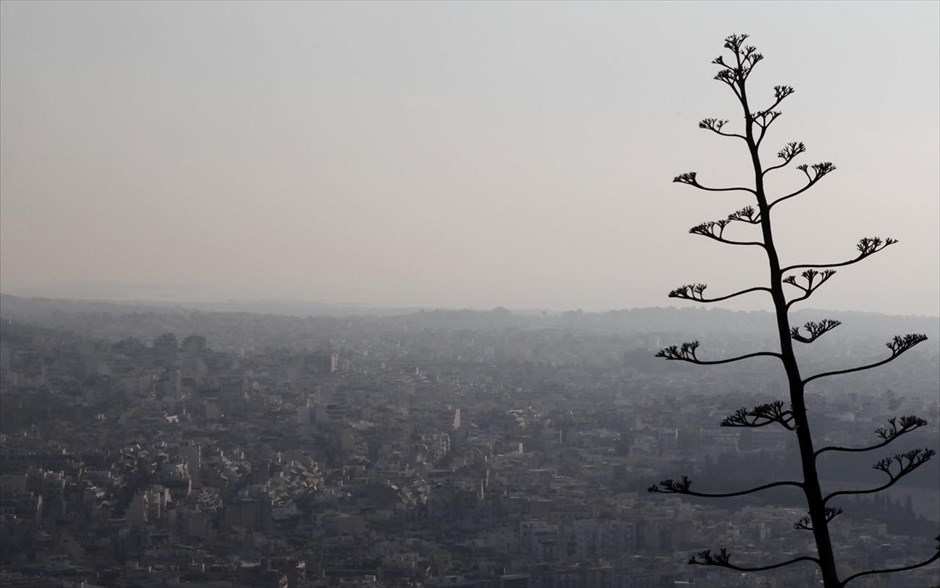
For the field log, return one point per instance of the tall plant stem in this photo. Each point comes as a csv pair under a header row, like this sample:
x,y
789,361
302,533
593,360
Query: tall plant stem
x,y
811,486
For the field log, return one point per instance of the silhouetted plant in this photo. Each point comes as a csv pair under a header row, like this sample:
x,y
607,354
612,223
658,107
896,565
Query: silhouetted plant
x,y
792,416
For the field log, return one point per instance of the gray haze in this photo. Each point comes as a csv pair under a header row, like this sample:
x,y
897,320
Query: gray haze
x,y
456,154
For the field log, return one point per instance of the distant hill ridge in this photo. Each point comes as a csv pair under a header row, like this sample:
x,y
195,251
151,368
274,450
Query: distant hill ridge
x,y
698,320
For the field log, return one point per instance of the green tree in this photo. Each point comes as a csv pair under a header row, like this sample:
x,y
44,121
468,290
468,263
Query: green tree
x,y
804,279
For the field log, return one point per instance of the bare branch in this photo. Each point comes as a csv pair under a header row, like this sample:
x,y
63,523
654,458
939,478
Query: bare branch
x,y
694,292
714,125
866,246
906,462
686,352
715,230
787,154
819,171
898,345
887,434
926,562
690,179
805,522
760,416
722,559
682,486
815,330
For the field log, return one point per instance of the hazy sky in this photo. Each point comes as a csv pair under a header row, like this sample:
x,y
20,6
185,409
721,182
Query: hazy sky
x,y
457,154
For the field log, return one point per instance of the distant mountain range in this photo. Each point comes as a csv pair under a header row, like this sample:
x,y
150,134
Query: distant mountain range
x,y
153,296
101,290
697,319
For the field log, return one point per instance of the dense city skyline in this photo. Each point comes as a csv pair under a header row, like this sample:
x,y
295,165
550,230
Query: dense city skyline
x,y
490,449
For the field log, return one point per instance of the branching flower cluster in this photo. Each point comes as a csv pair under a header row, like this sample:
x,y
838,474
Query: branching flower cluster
x,y
815,330
908,423
684,486
684,352
781,92
745,215
896,427
896,467
760,416
707,558
787,154
715,125
716,230
763,119
791,150
681,486
691,179
866,246
712,124
689,292
722,559
687,178
746,58
900,344
696,292
809,276
819,170
869,245
713,229
907,462
805,522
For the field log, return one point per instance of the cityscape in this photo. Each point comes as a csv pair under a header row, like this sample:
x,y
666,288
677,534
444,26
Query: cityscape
x,y
147,446
463,294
